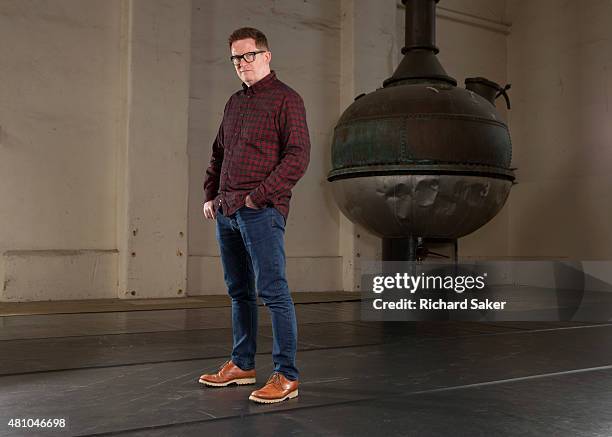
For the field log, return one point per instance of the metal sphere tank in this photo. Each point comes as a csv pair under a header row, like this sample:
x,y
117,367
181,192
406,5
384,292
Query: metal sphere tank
x,y
420,156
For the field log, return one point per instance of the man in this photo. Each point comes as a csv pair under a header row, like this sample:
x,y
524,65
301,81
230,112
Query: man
x,y
261,151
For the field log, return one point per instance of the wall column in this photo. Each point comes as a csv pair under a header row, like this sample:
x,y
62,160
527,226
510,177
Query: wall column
x,y
152,178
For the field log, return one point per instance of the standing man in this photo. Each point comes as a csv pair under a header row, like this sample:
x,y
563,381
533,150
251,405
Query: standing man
x,y
261,151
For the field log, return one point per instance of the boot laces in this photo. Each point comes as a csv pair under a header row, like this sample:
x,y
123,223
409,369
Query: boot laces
x,y
223,366
275,379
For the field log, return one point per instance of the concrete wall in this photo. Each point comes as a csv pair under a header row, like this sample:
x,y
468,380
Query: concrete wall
x,y
93,142
152,143
59,101
58,115
108,109
560,64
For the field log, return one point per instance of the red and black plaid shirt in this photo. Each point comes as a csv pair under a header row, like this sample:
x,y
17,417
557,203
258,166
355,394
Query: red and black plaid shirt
x,y
262,148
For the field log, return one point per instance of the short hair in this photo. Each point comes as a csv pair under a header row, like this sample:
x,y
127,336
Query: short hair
x,y
261,42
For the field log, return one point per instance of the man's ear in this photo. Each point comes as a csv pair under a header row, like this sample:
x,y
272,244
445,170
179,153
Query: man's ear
x,y
268,56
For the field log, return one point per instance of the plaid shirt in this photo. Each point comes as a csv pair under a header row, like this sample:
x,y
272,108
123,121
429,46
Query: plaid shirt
x,y
262,148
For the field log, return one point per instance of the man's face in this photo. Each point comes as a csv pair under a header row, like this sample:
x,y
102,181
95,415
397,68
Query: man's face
x,y
254,71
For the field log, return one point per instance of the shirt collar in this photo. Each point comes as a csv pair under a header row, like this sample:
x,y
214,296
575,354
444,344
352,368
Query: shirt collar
x,y
260,84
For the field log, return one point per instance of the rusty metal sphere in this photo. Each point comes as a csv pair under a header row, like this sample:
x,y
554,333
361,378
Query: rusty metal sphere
x,y
425,159
421,157
432,206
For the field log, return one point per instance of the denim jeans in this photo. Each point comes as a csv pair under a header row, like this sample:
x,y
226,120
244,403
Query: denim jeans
x,y
253,257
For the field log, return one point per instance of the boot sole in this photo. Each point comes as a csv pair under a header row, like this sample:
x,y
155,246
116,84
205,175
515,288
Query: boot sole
x,y
240,381
291,395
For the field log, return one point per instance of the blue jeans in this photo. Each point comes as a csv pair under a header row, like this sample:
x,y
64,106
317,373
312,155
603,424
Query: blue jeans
x,y
253,257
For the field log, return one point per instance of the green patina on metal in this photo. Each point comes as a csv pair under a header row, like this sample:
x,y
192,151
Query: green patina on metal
x,y
421,139
368,142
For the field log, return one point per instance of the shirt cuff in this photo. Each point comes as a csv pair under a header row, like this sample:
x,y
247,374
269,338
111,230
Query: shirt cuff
x,y
210,195
257,199
216,200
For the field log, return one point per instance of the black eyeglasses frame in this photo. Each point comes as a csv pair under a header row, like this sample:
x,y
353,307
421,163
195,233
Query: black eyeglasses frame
x,y
237,58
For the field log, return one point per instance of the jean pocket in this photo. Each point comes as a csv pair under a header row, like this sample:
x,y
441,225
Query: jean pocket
x,y
278,220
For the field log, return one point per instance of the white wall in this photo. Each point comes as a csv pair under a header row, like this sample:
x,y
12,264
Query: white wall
x,y
59,101
58,117
93,119
108,109
152,160
560,65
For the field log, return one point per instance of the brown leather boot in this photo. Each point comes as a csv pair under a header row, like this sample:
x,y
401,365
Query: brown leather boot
x,y
228,374
277,389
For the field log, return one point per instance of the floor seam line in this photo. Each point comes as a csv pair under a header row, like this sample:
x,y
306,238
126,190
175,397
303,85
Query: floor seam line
x,y
355,401
510,380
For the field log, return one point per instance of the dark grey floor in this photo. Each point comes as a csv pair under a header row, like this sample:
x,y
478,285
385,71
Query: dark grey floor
x,y
135,374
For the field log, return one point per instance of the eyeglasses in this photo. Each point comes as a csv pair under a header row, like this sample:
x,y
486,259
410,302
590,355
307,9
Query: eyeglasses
x,y
248,56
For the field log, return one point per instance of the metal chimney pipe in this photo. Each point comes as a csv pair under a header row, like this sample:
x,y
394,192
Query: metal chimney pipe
x,y
420,25
420,61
